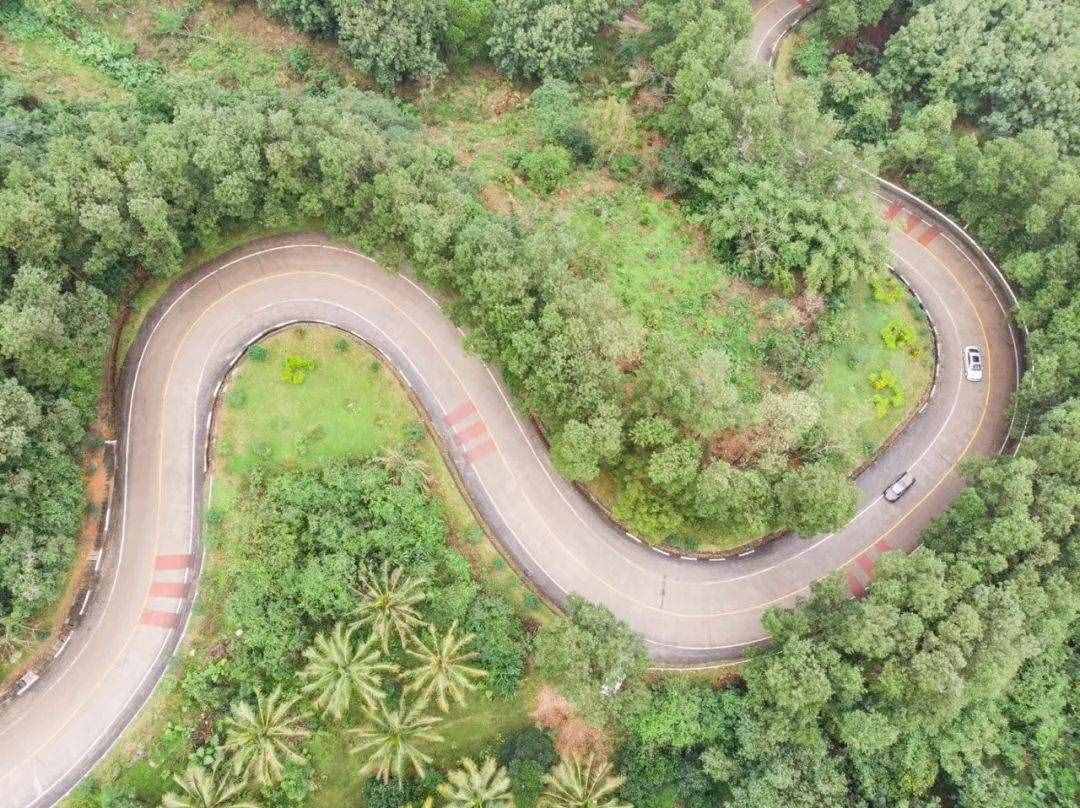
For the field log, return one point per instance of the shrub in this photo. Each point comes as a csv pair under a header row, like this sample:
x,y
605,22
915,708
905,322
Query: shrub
x,y
545,169
527,755
647,513
296,369
624,167
300,60
812,57
899,335
258,353
886,289
500,642
889,394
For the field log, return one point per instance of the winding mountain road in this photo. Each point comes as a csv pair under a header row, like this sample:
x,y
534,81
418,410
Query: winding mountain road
x,y
690,612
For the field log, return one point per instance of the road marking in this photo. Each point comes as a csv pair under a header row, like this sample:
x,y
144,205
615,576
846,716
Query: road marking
x,y
464,410
480,451
471,433
168,589
175,561
158,619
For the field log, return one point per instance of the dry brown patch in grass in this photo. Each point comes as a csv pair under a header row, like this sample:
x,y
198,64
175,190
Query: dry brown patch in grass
x,y
503,100
497,200
574,737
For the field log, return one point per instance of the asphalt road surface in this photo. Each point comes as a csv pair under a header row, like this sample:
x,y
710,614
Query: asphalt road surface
x,y
689,612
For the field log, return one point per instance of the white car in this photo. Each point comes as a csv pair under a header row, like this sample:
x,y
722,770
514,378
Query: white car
x,y
899,487
973,363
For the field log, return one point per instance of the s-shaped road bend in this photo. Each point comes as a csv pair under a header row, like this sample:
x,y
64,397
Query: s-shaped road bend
x,y
689,612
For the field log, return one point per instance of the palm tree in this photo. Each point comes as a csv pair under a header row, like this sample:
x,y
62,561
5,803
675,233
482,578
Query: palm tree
x,y
261,738
581,783
404,465
393,738
388,604
473,786
201,788
16,637
442,671
337,667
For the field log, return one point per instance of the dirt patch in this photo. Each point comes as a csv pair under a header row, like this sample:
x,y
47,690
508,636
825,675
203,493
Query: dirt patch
x,y
504,100
497,200
574,737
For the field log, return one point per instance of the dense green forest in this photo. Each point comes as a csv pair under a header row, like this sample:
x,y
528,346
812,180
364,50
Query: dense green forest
x,y
955,681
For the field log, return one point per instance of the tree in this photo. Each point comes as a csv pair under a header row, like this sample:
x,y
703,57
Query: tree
x,y
472,786
580,448
1010,65
262,738
591,655
394,40
442,671
815,499
201,788
388,602
581,783
393,738
338,668
313,16
548,39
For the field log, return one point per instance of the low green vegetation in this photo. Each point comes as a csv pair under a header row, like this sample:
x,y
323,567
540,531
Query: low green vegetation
x,y
385,592
679,272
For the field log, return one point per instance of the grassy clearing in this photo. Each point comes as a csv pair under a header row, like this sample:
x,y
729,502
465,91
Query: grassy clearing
x,y
236,45
844,390
43,60
351,404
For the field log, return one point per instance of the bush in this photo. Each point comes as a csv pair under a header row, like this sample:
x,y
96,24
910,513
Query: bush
x,y
889,394
544,169
624,167
300,60
887,289
296,369
899,335
258,353
500,642
527,755
646,513
812,57
557,109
